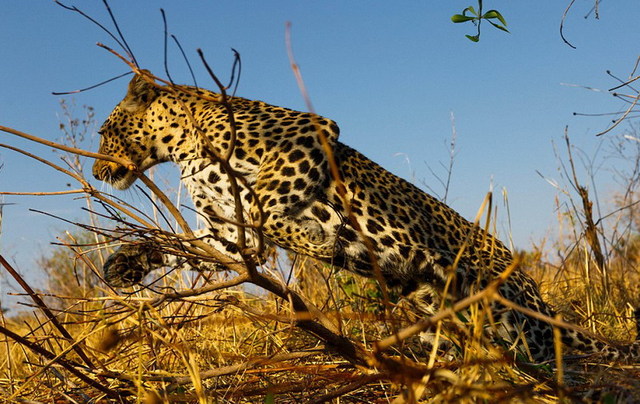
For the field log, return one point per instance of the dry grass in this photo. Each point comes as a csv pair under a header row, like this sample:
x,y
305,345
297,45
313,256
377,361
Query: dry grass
x,y
242,345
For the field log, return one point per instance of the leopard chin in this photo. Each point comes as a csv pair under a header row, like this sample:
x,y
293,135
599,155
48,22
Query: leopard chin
x,y
118,176
124,182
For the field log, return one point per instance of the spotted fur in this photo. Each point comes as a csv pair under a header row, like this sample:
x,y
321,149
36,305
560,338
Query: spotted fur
x,y
362,218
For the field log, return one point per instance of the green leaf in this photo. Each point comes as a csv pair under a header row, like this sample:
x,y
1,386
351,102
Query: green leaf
x,y
490,14
471,10
498,26
457,18
474,38
495,14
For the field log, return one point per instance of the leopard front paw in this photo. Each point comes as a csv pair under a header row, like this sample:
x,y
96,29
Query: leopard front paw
x,y
131,263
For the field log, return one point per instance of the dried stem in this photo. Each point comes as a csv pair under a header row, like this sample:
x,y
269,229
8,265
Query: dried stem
x,y
42,306
591,231
123,162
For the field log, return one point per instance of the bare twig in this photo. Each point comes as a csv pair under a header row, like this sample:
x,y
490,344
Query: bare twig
x,y
336,175
235,190
91,87
123,162
186,59
124,41
85,15
624,116
564,16
165,58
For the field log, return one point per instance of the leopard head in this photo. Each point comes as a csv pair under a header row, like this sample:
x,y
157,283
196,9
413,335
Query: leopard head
x,y
130,133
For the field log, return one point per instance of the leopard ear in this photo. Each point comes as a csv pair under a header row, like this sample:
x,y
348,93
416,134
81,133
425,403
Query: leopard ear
x,y
141,93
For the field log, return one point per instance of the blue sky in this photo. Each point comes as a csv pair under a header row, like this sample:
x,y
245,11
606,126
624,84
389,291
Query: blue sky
x,y
390,73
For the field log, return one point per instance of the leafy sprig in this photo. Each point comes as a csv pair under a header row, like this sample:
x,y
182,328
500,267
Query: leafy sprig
x,y
493,17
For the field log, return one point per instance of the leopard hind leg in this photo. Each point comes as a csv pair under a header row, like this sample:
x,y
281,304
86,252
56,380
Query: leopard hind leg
x,y
426,300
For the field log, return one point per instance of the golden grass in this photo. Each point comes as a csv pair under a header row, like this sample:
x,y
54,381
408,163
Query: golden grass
x,y
241,345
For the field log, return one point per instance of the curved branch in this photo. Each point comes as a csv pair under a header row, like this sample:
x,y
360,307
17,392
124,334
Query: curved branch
x,y
564,16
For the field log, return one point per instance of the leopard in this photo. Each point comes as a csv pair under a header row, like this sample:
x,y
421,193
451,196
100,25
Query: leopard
x,y
315,196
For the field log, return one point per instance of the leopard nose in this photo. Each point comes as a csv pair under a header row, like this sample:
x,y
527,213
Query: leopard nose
x,y
98,170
